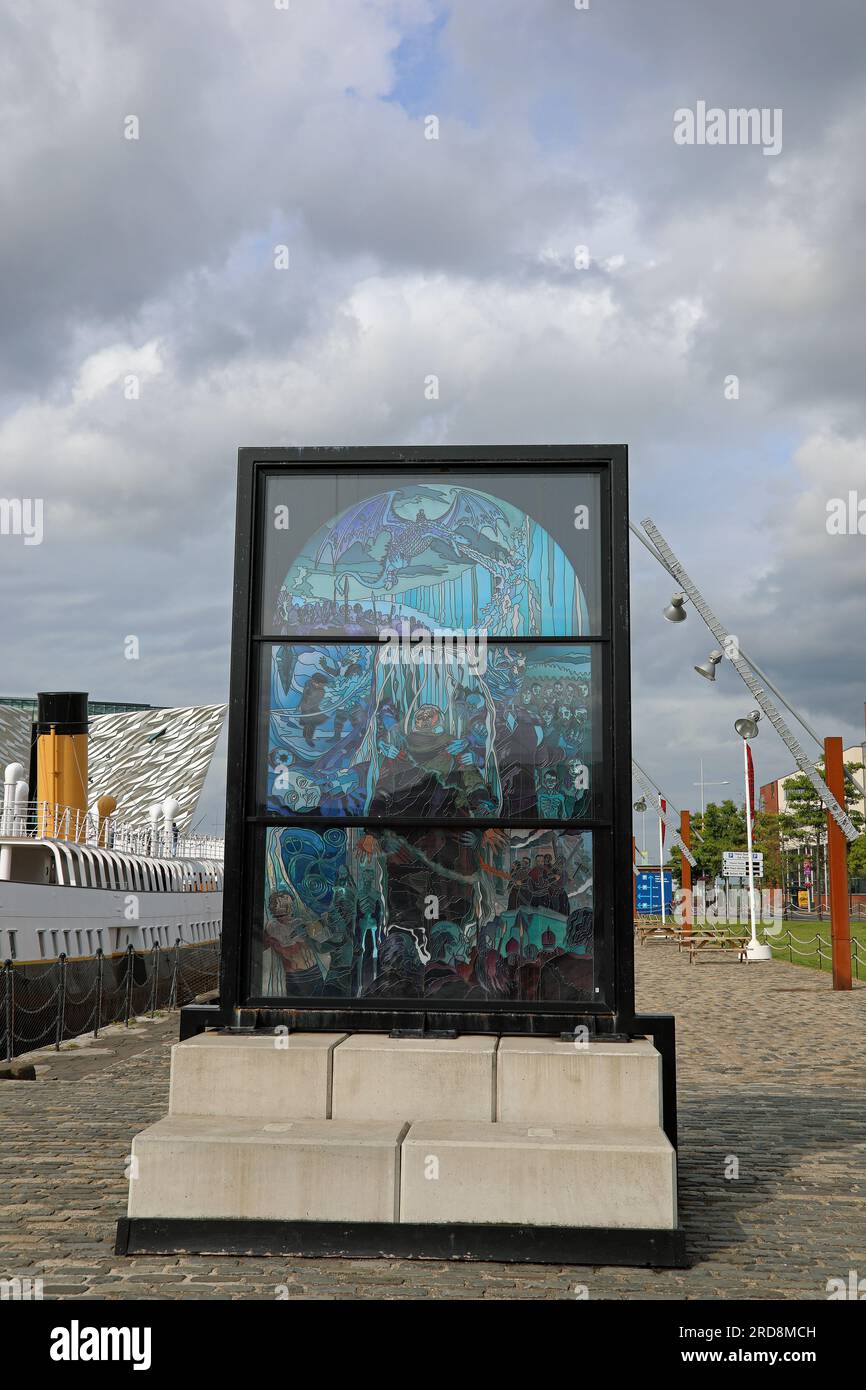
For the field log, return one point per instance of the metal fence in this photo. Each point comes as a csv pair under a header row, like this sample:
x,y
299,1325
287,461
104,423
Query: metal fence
x,y
812,951
805,950
41,1006
50,819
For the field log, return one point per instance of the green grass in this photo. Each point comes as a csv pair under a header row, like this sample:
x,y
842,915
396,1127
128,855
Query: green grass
x,y
801,942
808,943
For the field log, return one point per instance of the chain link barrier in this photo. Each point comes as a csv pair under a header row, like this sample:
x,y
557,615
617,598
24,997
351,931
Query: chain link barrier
x,y
806,949
821,947
69,997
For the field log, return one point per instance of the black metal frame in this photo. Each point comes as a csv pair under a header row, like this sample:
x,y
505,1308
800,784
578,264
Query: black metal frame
x,y
612,870
381,1240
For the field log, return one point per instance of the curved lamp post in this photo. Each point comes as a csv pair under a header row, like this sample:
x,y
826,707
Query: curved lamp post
x,y
641,808
748,729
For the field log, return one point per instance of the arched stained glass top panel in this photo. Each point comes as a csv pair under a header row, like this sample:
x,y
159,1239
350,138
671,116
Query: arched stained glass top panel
x,y
468,554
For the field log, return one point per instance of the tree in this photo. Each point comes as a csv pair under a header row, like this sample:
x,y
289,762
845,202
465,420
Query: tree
x,y
722,828
806,820
857,858
768,834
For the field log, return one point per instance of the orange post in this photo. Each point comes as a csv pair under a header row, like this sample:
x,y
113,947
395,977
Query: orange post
x,y
686,836
837,852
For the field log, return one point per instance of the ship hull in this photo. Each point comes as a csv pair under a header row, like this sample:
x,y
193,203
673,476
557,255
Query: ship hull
x,y
41,922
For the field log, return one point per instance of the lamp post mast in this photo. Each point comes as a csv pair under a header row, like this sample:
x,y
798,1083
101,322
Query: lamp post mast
x,y
749,672
754,943
837,854
662,861
702,784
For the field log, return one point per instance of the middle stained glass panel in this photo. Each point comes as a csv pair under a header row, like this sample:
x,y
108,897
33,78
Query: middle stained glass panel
x,y
444,730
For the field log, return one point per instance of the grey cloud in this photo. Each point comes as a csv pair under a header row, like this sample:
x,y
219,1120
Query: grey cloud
x,y
454,257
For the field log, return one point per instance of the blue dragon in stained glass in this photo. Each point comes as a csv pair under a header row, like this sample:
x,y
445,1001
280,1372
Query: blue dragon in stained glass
x,y
458,527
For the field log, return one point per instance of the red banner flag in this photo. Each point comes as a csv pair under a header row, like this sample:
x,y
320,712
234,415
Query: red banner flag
x,y
664,806
751,781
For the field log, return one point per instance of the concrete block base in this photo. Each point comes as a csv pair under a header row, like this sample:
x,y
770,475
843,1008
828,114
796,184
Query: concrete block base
x,y
547,1081
470,1148
198,1167
538,1176
381,1078
283,1077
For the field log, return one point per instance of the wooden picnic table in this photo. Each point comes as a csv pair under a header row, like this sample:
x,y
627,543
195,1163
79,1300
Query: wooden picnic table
x,y
655,931
691,939
715,941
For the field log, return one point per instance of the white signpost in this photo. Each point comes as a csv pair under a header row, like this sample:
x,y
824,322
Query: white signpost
x,y
735,864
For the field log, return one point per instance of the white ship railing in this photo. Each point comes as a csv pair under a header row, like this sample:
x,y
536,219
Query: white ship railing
x,y
42,820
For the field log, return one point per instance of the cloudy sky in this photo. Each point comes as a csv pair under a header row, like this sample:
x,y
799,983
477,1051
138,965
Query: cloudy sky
x,y
304,126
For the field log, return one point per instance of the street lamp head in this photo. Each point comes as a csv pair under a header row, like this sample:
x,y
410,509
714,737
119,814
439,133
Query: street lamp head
x,y
640,805
676,609
748,728
708,669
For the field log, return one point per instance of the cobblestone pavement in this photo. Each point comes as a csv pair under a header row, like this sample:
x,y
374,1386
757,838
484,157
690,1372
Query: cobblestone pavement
x,y
771,1074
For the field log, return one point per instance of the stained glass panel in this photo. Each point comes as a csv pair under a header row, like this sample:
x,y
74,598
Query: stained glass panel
x,y
435,914
438,731
512,555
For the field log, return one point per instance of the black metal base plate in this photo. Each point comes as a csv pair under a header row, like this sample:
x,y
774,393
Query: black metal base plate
x,y
598,1038
449,1033
195,1018
559,1245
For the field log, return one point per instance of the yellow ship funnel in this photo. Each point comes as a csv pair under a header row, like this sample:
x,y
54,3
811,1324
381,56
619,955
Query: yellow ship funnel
x,y
61,764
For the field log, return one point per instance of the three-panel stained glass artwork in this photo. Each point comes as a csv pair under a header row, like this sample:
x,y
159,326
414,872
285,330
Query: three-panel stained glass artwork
x,y
430,743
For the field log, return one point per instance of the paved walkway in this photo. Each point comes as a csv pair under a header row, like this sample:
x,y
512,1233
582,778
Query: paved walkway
x,y
771,1085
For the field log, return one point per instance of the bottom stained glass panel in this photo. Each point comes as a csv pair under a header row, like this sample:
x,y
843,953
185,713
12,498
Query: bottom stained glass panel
x,y
448,914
